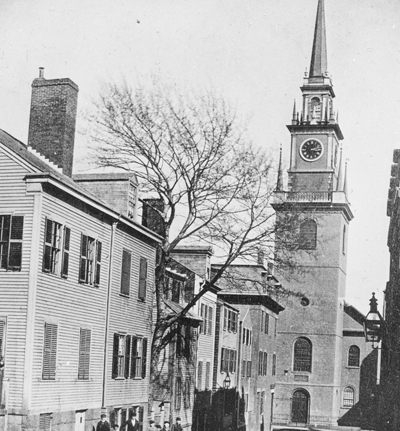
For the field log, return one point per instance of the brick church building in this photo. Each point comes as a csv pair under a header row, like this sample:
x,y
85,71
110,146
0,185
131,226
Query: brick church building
x,y
320,341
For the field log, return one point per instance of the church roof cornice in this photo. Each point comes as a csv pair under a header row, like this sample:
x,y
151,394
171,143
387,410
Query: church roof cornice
x,y
316,128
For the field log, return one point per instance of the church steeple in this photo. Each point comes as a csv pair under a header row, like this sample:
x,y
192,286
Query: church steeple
x,y
319,62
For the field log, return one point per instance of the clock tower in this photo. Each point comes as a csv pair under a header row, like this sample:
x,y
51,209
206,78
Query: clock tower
x,y
310,343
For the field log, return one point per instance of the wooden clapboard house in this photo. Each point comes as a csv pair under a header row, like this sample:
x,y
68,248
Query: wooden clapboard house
x,y
76,280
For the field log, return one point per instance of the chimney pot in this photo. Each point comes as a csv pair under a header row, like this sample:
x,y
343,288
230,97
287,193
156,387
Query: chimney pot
x,y
41,72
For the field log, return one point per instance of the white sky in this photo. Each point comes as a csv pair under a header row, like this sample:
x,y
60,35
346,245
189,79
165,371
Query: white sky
x,y
255,53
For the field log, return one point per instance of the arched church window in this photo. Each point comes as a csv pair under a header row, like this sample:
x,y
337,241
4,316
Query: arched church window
x,y
315,108
302,355
348,397
308,235
354,356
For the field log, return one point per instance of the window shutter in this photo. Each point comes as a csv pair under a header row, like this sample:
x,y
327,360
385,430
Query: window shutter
x,y
222,358
210,320
65,261
98,263
125,272
49,352
127,355
203,323
47,246
225,318
142,278
83,258
17,225
200,374
144,357
45,422
134,356
2,325
115,356
84,354
208,374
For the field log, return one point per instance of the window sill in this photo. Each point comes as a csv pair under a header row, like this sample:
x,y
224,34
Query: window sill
x,y
347,407
124,295
353,367
141,300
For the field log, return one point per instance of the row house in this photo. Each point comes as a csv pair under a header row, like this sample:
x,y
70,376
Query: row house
x,y
236,351
76,280
255,322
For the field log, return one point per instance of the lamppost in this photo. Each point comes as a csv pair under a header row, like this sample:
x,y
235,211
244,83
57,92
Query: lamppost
x,y
373,324
227,381
373,330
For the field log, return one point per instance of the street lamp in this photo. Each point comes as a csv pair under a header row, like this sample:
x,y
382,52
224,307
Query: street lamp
x,y
373,324
227,381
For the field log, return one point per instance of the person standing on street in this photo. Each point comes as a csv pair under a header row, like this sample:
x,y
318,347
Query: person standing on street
x,y
132,424
103,425
177,425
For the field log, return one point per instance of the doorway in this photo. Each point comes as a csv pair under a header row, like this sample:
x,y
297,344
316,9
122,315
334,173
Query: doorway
x,y
300,406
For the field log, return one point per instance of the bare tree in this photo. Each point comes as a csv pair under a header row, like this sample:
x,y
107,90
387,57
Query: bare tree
x,y
214,184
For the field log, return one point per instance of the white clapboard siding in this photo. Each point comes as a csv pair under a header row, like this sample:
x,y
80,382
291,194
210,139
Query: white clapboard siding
x,y
130,315
14,285
73,306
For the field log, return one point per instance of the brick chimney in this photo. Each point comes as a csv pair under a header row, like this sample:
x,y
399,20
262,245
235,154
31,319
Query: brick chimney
x,y
52,120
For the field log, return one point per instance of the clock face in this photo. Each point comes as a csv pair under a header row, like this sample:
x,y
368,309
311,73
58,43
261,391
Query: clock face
x,y
311,150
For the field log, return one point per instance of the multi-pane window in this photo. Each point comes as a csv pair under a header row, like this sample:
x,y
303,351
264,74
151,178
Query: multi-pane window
x,y
52,246
348,397
142,279
56,248
248,369
308,235
84,354
302,355
11,230
49,351
262,402
200,375
45,421
176,290
129,357
228,360
264,322
246,336
206,312
232,321
274,364
354,356
136,363
126,272
118,356
90,261
178,393
262,363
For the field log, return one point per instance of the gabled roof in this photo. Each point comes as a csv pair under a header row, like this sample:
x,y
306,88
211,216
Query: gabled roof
x,y
44,172
176,309
354,313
